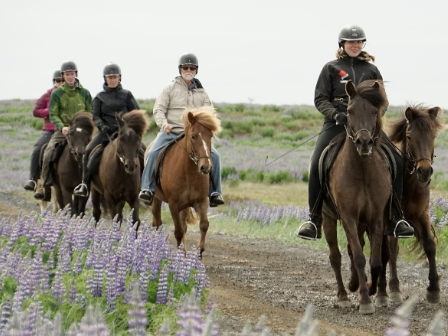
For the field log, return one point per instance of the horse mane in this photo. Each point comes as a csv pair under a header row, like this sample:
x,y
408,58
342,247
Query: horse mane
x,y
84,120
377,97
420,119
206,116
136,119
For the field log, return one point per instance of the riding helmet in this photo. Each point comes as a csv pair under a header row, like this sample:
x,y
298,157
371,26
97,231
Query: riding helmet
x,y
57,74
351,33
69,65
112,69
189,59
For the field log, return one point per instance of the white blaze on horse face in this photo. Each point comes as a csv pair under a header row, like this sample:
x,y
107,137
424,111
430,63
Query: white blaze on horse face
x,y
78,129
206,149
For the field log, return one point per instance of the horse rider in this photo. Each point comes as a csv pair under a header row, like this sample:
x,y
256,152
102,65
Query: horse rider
x,y
68,99
112,99
184,92
41,111
330,99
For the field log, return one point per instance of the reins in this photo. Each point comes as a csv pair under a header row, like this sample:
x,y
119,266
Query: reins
x,y
193,156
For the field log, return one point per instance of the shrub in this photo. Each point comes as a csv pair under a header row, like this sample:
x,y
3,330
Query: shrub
x,y
267,132
240,107
227,171
279,176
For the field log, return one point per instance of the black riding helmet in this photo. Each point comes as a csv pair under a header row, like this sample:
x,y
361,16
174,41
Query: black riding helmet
x,y
57,74
111,69
69,65
189,59
351,33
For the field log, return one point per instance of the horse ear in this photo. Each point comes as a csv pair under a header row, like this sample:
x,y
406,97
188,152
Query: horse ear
x,y
376,85
408,114
191,118
119,120
350,89
434,111
68,119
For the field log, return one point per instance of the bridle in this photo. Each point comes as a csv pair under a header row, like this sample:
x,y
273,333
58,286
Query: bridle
x,y
72,149
352,134
193,154
412,162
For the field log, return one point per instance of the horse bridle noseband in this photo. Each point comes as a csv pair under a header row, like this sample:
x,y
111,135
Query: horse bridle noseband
x,y
349,129
412,162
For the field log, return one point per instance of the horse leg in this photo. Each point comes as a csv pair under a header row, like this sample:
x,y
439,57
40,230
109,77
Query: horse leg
x,y
59,196
179,232
382,299
119,210
82,201
429,246
96,201
156,209
359,260
394,283
135,204
376,265
331,236
353,284
201,210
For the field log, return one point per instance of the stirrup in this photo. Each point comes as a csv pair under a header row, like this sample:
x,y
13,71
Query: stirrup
x,y
406,224
306,237
77,192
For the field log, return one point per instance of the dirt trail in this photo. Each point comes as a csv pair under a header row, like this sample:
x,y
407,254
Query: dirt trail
x,y
250,278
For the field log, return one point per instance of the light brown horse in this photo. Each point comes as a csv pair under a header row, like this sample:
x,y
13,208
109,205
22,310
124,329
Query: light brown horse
x,y
185,179
359,187
67,171
414,135
118,179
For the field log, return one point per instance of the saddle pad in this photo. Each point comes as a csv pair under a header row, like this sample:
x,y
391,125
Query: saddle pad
x,y
159,163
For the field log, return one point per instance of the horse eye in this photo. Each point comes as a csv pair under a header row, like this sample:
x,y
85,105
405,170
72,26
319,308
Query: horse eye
x,y
193,137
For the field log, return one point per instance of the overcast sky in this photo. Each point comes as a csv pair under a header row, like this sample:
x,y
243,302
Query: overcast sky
x,y
266,50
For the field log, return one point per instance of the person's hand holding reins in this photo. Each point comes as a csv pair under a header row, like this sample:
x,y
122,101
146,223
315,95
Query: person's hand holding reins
x,y
64,130
167,129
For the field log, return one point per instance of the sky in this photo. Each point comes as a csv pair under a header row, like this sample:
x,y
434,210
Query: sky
x,y
267,52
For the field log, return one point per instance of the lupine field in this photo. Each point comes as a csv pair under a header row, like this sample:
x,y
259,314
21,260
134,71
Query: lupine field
x,y
66,276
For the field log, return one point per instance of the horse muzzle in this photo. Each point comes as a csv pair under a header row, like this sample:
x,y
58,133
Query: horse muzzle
x,y
424,172
364,143
130,165
204,169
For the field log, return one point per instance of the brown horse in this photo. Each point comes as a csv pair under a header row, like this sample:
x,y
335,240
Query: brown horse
x,y
185,179
414,135
67,172
359,187
118,179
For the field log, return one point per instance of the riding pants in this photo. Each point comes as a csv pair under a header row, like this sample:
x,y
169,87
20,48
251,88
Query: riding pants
x,y
315,190
56,140
34,168
162,139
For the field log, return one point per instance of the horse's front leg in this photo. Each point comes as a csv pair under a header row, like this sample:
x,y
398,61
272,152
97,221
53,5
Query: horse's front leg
x,y
119,210
201,209
96,202
179,231
156,209
382,299
135,204
351,231
331,236
425,230
376,238
67,199
394,283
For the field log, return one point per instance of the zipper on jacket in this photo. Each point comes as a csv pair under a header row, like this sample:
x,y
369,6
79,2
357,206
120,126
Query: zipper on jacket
x,y
353,70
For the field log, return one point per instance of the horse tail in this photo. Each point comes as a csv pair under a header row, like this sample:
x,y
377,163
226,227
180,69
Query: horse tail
x,y
192,217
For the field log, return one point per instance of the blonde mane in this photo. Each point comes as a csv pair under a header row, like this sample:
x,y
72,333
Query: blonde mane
x,y
206,116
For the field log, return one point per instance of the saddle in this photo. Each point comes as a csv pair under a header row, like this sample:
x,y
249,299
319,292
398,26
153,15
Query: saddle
x,y
159,163
329,154
55,155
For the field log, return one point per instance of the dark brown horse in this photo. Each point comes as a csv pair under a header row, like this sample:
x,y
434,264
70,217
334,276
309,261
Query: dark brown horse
x,y
118,179
185,179
414,134
67,172
359,187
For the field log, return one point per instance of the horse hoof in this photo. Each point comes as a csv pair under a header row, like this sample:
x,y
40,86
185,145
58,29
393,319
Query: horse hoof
x,y
382,301
366,308
433,297
344,303
396,297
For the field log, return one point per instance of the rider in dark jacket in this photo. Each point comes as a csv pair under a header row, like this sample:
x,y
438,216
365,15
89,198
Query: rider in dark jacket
x,y
106,103
331,100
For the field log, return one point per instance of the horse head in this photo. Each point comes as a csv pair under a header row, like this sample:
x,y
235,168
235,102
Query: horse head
x,y
365,108
199,144
130,131
422,128
80,133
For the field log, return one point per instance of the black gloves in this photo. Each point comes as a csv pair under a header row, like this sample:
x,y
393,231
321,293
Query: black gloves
x,y
104,128
340,118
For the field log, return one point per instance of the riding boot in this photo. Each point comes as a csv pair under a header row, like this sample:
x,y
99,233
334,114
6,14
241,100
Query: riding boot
x,y
82,189
311,229
397,226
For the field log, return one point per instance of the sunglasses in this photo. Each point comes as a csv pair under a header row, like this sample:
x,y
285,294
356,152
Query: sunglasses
x,y
58,80
192,68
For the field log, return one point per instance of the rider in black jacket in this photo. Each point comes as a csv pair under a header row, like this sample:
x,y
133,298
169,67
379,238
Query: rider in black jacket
x,y
106,103
331,100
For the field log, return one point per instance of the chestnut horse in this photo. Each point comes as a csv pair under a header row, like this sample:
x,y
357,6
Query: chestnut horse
x,y
414,135
67,171
359,187
185,179
118,179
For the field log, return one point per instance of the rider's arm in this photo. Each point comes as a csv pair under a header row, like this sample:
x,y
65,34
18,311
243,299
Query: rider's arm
x,y
54,112
161,107
323,94
41,107
96,112
131,102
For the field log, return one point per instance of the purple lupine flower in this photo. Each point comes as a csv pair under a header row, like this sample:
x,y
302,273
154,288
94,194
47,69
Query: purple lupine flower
x,y
19,298
90,284
143,285
200,280
164,329
190,317
14,326
33,313
111,280
163,287
170,298
92,323
5,314
401,319
58,288
120,279
137,319
72,292
210,328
